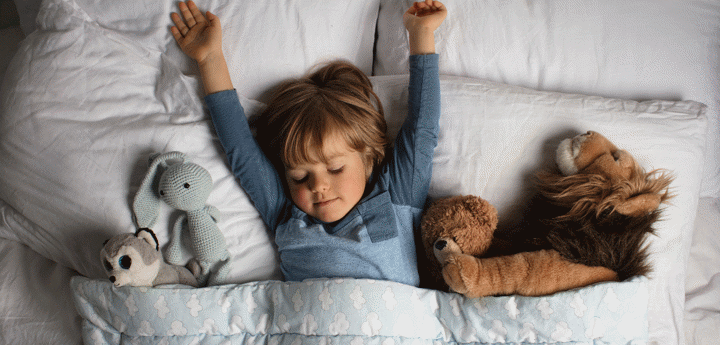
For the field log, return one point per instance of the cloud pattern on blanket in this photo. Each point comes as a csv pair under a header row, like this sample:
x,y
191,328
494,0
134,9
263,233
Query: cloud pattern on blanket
x,y
349,311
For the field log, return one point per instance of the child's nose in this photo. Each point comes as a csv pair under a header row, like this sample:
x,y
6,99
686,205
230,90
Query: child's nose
x,y
319,184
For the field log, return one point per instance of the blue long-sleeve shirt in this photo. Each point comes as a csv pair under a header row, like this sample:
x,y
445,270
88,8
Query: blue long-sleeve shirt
x,y
375,239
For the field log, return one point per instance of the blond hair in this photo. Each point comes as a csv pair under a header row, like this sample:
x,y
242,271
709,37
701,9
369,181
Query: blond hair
x,y
336,99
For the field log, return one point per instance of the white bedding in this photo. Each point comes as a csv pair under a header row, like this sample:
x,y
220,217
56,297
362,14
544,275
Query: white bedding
x,y
702,304
37,305
168,114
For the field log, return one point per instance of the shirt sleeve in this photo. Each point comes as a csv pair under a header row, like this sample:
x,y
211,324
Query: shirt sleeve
x,y
410,166
248,163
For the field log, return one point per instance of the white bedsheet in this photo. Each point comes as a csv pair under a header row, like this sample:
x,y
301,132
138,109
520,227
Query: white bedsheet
x,y
36,305
702,299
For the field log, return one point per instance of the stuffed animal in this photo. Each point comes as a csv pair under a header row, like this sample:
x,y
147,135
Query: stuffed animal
x,y
135,260
589,225
602,205
185,186
458,238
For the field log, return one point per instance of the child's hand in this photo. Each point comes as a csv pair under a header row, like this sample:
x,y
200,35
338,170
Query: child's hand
x,y
198,37
424,16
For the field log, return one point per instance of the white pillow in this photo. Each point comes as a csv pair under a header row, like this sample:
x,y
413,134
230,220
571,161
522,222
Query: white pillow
x,y
640,50
264,42
493,137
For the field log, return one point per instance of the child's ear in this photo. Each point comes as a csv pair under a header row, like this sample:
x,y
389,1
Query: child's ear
x,y
369,162
368,170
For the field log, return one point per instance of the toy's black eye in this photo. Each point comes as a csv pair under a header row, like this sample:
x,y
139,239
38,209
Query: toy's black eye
x,y
162,193
125,262
108,266
187,185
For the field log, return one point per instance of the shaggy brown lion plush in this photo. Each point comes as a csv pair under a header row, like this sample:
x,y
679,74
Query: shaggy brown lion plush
x,y
590,226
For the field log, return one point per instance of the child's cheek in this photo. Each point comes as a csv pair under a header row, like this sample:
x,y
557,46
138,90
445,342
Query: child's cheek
x,y
301,197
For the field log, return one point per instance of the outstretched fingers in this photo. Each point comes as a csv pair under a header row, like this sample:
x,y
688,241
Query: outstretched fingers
x,y
197,16
180,29
187,13
189,17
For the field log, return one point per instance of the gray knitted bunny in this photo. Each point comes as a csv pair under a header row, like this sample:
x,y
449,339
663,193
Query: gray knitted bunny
x,y
184,186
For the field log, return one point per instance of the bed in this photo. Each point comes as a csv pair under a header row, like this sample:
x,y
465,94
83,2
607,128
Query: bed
x,y
95,87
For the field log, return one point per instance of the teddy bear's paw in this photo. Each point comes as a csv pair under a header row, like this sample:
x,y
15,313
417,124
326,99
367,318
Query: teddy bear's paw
x,y
452,274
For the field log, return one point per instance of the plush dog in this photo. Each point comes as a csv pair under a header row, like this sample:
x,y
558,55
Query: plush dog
x,y
588,226
135,260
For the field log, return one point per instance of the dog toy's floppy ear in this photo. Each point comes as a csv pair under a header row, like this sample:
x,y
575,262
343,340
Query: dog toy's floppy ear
x,y
149,236
147,202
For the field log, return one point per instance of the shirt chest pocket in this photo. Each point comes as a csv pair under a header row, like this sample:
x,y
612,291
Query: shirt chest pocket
x,y
378,215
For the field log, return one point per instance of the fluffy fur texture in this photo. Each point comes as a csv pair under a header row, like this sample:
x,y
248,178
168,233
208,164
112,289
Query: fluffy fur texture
x,y
602,215
468,221
588,225
457,235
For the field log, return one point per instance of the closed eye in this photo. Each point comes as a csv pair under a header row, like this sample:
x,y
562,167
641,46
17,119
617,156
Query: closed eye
x,y
336,171
299,180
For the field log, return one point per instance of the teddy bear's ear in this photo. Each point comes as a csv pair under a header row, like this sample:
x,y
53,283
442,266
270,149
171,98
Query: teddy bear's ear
x,y
639,204
149,237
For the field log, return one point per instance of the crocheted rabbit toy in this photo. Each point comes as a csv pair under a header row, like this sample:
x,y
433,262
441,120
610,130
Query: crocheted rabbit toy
x,y
185,186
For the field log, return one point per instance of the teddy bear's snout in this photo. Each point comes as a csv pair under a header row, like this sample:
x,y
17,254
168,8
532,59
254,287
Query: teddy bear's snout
x,y
440,244
112,279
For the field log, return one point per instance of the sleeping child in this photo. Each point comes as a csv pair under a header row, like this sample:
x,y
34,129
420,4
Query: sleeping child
x,y
318,172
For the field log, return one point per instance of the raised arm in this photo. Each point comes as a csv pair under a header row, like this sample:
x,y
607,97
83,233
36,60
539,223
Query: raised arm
x,y
200,38
411,164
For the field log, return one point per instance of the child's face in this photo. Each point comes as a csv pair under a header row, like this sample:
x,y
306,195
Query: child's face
x,y
329,190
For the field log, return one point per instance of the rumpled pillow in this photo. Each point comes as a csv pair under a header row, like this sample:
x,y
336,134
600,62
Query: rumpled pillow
x,y
640,50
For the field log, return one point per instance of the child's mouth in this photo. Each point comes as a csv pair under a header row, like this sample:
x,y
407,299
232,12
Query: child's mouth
x,y
325,203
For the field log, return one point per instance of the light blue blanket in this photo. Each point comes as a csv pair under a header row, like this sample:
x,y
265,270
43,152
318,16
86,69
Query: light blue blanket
x,y
351,311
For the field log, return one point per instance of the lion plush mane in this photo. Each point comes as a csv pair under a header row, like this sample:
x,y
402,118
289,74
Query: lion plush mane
x,y
602,219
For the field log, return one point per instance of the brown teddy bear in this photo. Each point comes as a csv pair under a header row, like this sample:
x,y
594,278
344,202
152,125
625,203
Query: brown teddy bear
x,y
590,225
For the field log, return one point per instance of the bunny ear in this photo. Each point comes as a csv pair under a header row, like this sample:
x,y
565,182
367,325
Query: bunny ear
x,y
147,202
